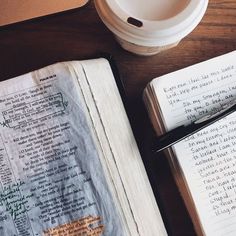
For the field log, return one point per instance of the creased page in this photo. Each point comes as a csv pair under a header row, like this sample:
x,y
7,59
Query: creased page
x,y
207,158
51,179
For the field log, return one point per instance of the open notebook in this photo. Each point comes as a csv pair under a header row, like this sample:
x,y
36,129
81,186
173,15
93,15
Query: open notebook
x,y
204,165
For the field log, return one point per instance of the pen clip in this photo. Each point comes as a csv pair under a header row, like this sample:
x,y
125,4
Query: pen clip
x,y
215,114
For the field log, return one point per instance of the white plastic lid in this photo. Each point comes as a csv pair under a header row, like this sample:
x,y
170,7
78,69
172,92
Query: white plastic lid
x,y
151,22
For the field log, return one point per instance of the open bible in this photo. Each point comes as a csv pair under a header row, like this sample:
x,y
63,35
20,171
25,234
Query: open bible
x,y
204,164
69,164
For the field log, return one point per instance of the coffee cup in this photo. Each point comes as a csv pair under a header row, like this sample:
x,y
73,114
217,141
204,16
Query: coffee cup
x,y
151,26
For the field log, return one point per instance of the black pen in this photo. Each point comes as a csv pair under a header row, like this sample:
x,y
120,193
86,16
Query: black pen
x,y
178,134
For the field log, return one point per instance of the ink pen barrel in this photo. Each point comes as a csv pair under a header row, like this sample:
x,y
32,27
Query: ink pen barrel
x,y
180,133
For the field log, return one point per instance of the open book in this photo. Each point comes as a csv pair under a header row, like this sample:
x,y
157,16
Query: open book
x,y
69,164
204,165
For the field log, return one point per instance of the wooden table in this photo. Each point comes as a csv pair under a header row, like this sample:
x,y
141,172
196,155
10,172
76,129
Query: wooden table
x,y
79,34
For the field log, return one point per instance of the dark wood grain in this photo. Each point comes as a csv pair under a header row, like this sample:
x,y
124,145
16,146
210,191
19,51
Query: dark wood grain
x,y
80,34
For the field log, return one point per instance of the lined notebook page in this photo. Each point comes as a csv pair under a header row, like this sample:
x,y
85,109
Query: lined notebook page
x,y
207,158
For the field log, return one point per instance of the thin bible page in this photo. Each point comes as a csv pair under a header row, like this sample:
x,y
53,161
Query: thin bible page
x,y
207,159
51,177
124,163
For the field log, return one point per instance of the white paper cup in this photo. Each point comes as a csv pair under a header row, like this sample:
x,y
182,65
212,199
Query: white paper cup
x,y
146,27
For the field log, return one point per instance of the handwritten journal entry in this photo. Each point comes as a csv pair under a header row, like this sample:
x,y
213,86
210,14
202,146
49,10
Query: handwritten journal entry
x,y
207,158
